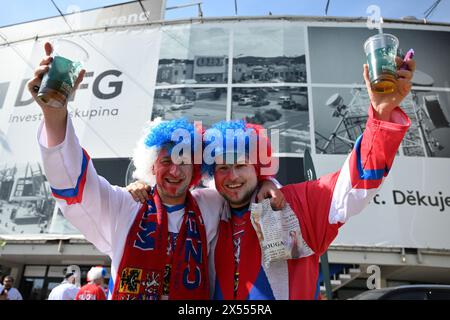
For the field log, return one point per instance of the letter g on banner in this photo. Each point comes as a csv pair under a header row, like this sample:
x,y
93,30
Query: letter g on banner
x,y
374,280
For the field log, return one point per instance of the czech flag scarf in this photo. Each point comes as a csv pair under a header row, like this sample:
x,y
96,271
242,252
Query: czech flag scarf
x,y
253,282
141,271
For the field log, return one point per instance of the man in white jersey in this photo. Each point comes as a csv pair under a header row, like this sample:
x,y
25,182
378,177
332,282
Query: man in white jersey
x,y
66,290
152,246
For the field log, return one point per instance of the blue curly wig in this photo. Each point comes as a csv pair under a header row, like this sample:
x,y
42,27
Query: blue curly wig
x,y
160,136
242,132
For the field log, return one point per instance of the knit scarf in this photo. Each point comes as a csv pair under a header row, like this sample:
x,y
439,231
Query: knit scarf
x,y
252,282
141,271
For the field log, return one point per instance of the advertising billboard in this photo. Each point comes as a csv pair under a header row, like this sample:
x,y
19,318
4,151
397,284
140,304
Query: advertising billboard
x,y
303,78
109,110
412,208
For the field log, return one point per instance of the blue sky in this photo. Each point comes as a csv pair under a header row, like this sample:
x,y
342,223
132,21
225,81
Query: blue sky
x,y
25,10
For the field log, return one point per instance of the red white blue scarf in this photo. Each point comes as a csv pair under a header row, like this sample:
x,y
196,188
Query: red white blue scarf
x,y
252,282
141,271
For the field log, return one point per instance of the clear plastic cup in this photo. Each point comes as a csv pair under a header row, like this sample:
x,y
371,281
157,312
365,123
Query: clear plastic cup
x,y
381,50
58,83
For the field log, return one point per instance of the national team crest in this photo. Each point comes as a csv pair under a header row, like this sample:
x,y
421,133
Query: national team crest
x,y
130,280
151,285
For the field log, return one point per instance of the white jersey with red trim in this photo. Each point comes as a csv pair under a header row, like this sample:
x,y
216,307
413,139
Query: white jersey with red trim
x,y
104,213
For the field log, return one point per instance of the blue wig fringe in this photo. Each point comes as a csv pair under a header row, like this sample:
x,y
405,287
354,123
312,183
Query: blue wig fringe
x,y
161,135
222,127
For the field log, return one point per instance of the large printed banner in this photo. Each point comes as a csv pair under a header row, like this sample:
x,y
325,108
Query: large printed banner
x,y
411,210
282,78
109,111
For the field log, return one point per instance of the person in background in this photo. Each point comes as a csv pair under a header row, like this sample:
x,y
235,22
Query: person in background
x,y
66,290
93,290
7,291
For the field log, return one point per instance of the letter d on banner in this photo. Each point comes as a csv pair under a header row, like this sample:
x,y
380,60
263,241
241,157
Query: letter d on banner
x,y
374,280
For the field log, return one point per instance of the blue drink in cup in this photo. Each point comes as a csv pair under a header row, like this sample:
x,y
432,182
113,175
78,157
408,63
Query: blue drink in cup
x,y
58,83
381,50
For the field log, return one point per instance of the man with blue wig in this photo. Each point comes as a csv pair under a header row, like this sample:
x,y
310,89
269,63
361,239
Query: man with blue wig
x,y
321,206
158,249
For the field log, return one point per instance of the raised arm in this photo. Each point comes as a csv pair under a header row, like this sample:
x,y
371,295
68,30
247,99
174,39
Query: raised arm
x,y
323,205
101,212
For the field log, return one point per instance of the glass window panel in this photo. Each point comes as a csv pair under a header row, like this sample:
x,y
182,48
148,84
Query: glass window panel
x,y
187,56
270,52
282,108
32,289
35,271
340,116
195,104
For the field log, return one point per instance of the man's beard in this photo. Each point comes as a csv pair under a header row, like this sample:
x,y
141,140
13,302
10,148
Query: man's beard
x,y
178,193
245,199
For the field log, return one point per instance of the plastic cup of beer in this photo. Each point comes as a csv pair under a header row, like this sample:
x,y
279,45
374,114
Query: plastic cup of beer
x,y
381,50
58,83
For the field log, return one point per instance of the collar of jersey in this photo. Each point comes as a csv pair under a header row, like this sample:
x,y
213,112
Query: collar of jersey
x,y
174,208
239,212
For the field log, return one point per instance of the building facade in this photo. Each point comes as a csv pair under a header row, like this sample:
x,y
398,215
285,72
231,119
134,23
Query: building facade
x,y
274,71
